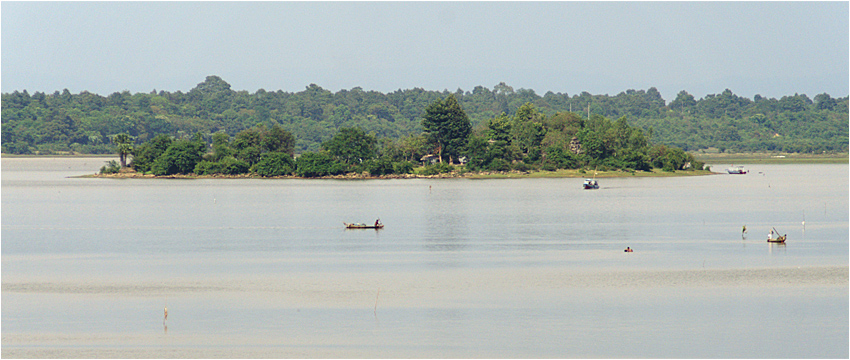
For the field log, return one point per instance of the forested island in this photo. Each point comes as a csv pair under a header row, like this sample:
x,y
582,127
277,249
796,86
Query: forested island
x,y
213,129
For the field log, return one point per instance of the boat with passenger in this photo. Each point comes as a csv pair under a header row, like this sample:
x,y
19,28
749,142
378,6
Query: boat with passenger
x,y
590,184
376,225
737,170
778,239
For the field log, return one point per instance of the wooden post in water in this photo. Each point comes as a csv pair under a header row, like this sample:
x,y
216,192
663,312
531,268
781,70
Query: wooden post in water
x,y
376,302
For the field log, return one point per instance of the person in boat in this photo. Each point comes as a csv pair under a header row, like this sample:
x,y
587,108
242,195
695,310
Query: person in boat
x,y
377,222
770,235
628,249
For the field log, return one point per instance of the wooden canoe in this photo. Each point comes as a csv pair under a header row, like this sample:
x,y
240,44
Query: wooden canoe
x,y
363,226
780,239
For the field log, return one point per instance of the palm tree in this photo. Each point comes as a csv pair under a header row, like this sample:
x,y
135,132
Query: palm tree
x,y
124,146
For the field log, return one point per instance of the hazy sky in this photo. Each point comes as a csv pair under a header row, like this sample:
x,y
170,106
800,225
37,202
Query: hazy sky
x,y
767,48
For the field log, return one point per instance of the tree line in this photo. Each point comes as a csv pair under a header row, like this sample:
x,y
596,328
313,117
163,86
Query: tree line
x,y
528,140
86,123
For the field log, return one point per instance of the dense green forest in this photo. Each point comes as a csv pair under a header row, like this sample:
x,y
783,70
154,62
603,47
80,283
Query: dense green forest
x,y
527,141
87,123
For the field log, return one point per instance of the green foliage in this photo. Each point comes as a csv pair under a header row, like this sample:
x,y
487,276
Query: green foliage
x,y
123,146
18,147
111,167
559,158
437,168
478,154
278,140
403,167
446,127
499,128
145,154
299,122
275,164
221,146
181,157
317,164
226,166
381,166
351,146
527,130
499,164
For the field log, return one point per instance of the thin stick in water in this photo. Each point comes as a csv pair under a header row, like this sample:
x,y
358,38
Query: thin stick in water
x,y
376,302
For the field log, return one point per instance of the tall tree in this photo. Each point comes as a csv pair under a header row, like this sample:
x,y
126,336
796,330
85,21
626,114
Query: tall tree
x,y
124,146
277,139
446,126
352,146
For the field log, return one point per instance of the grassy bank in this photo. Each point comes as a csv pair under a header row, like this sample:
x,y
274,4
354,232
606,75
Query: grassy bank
x,y
770,158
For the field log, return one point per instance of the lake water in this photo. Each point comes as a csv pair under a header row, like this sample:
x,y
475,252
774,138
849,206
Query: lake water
x,y
528,268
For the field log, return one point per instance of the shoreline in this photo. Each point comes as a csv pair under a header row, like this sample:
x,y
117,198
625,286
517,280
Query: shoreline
x,y
771,158
452,175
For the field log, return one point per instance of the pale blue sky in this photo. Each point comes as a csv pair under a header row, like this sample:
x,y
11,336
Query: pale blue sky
x,y
767,48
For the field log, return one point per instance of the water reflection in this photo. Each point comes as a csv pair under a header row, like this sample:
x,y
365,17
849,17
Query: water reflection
x,y
530,268
776,247
446,223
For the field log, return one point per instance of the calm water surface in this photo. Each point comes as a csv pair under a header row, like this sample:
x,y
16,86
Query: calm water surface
x,y
464,268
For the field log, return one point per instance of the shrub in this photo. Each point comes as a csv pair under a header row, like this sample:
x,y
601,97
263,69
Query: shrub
x,y
275,164
437,168
382,166
181,157
111,167
403,167
227,166
521,166
207,168
316,164
499,165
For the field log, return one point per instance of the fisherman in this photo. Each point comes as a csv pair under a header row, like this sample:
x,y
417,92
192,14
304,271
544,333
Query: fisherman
x,y
770,235
378,221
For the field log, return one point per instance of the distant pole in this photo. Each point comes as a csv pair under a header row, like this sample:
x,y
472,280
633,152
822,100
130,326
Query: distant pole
x,y
376,302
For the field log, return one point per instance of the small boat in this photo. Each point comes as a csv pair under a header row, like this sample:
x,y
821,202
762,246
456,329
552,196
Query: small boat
x,y
737,170
780,239
590,184
364,226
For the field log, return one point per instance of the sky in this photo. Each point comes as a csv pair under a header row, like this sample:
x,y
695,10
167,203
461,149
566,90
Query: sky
x,y
772,49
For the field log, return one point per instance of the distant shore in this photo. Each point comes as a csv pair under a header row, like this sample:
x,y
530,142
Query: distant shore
x,y
770,158
451,175
710,157
719,162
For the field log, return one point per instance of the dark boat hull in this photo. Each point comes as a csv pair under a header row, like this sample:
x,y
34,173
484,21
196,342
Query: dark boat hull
x,y
363,226
780,239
